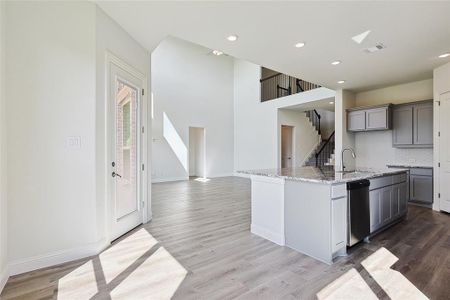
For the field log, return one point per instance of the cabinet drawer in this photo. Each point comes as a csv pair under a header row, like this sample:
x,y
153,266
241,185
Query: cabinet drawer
x,y
338,191
399,178
421,171
379,182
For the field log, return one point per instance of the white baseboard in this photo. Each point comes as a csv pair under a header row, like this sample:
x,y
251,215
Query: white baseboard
x,y
238,174
168,179
221,175
268,235
54,258
4,275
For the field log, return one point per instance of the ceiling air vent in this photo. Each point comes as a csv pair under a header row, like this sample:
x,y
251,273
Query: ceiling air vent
x,y
375,48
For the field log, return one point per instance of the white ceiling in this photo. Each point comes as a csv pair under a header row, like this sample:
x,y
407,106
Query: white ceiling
x,y
415,33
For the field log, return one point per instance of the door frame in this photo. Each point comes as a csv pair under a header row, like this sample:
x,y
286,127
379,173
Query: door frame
x,y
110,60
293,147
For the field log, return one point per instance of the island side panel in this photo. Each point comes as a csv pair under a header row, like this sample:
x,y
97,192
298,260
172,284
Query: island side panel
x,y
308,219
268,208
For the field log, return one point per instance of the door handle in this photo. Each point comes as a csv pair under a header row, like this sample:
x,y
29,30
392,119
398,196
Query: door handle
x,y
114,174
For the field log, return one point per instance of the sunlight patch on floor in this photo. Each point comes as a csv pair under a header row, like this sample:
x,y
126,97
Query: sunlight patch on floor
x,y
352,285
349,286
78,284
157,278
393,282
134,268
120,256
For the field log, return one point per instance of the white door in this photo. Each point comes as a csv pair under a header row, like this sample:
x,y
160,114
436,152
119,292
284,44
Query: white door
x,y
125,152
286,146
444,151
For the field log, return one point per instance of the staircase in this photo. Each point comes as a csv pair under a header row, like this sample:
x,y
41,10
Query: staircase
x,y
323,155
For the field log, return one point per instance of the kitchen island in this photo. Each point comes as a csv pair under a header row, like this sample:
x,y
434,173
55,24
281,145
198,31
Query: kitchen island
x,y
306,208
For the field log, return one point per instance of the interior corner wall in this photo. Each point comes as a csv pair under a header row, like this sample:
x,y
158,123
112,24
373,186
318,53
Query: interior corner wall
x,y
343,139
305,136
369,145
112,38
50,97
191,88
256,133
3,160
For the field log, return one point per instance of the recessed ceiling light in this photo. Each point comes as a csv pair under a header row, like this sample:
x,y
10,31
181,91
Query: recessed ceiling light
x,y
331,102
336,62
341,81
444,55
232,38
217,52
299,45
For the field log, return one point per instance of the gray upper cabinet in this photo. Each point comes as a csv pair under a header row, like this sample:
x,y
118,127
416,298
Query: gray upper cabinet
x,y
413,125
356,121
369,118
377,119
403,123
423,124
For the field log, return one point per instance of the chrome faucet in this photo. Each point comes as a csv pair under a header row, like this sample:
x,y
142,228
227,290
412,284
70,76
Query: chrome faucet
x,y
342,157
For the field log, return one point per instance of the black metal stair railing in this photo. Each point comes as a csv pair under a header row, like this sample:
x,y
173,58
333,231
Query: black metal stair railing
x,y
280,85
314,117
325,151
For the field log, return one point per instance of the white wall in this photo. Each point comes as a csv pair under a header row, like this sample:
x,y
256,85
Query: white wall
x,y
256,134
397,94
306,137
343,139
55,90
50,97
327,122
3,167
193,88
369,145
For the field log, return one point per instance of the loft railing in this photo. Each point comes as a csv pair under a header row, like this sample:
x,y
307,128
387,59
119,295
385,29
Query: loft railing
x,y
325,151
315,117
280,85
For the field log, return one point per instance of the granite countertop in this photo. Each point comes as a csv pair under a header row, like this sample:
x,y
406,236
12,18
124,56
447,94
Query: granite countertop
x,y
325,175
411,165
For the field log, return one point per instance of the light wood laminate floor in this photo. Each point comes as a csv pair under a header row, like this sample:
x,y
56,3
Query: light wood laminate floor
x,y
199,246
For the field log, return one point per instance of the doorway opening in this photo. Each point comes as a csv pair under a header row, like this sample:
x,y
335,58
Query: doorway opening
x,y
197,153
287,144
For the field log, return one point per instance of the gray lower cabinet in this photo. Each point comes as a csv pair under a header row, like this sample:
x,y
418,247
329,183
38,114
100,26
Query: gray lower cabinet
x,y
421,185
387,203
413,125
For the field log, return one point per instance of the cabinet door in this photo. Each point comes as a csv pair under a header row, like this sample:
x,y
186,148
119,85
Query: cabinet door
x,y
386,214
423,124
375,209
377,119
421,188
402,134
395,201
356,120
339,221
403,197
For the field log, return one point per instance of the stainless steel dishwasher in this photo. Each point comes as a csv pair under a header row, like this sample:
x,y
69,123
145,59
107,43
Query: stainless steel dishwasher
x,y
358,211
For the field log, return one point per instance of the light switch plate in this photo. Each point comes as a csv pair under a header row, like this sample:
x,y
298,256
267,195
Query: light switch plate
x,y
73,142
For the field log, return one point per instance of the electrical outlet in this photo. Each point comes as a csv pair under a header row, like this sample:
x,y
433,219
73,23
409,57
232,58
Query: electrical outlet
x,y
73,142
412,160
